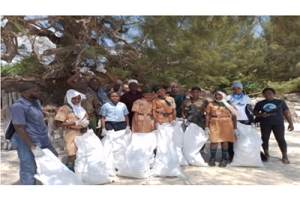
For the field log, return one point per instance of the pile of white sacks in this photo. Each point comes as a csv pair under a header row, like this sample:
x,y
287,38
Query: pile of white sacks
x,y
132,155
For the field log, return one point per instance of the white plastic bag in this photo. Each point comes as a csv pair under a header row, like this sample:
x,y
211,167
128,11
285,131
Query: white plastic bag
x,y
90,161
193,141
138,155
247,147
178,142
166,162
51,171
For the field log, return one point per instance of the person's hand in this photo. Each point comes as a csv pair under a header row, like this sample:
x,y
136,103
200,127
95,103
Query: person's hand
x,y
84,69
103,133
173,123
291,127
186,122
83,122
37,151
253,125
101,69
127,130
99,124
264,114
207,131
236,133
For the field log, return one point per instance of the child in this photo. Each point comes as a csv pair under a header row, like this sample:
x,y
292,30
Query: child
x,y
75,119
142,108
114,115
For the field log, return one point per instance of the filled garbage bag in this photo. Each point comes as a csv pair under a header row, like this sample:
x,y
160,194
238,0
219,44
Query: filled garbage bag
x,y
193,140
178,135
247,147
51,171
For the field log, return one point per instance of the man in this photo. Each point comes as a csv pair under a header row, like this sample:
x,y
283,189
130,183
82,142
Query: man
x,y
31,135
178,97
131,96
163,107
118,88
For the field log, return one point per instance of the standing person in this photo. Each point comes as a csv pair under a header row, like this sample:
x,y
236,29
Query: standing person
x,y
31,133
142,108
244,105
90,104
220,125
271,113
114,115
131,96
75,119
163,107
178,97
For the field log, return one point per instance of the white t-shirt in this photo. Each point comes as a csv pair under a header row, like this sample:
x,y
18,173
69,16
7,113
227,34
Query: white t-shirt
x,y
240,105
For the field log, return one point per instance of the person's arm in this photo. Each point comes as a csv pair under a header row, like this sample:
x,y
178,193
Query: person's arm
x,y
71,80
20,130
154,111
127,120
234,121
103,122
207,116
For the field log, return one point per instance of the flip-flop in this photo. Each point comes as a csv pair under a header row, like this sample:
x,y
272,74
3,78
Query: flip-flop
x,y
285,161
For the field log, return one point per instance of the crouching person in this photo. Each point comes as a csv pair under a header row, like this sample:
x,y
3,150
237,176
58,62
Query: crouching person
x,y
75,119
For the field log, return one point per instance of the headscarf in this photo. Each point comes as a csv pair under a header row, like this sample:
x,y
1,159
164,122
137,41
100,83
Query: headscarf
x,y
133,81
78,110
146,90
238,85
224,101
174,84
237,99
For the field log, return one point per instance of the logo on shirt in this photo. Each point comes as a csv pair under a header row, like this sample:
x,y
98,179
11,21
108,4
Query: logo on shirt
x,y
269,107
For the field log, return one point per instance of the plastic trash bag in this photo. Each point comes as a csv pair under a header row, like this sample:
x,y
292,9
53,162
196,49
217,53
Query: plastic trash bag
x,y
138,156
115,144
178,142
247,147
90,163
193,140
166,162
51,171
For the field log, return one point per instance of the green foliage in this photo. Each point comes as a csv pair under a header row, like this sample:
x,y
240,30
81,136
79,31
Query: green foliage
x,y
26,67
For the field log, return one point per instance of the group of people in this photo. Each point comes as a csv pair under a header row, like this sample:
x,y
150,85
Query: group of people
x,y
103,108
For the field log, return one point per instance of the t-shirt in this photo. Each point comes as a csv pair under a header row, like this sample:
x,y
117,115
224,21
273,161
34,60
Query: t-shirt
x,y
240,102
268,106
114,113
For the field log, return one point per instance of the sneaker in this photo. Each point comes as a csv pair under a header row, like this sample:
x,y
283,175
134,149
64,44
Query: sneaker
x,y
223,163
212,162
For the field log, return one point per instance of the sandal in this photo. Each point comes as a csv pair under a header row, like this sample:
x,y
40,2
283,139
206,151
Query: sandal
x,y
285,161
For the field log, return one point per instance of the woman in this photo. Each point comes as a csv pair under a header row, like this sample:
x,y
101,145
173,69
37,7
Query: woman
x,y
142,108
220,125
163,107
75,119
244,105
271,113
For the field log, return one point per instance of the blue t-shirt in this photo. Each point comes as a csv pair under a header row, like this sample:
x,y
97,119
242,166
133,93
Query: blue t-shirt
x,y
276,118
23,112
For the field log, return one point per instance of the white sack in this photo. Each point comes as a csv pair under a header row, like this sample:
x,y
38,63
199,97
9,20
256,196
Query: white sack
x,y
115,144
178,141
138,155
247,147
51,171
90,161
193,141
166,162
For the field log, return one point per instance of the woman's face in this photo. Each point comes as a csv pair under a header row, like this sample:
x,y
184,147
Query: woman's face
x,y
161,92
269,95
148,96
76,100
237,90
195,94
218,96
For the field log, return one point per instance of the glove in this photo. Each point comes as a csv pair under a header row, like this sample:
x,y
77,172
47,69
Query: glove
x,y
101,69
253,125
103,133
37,151
237,133
127,130
83,122
99,124
173,123
207,131
84,69
186,122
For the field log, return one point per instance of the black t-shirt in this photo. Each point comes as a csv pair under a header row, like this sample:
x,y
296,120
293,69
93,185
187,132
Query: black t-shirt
x,y
276,118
